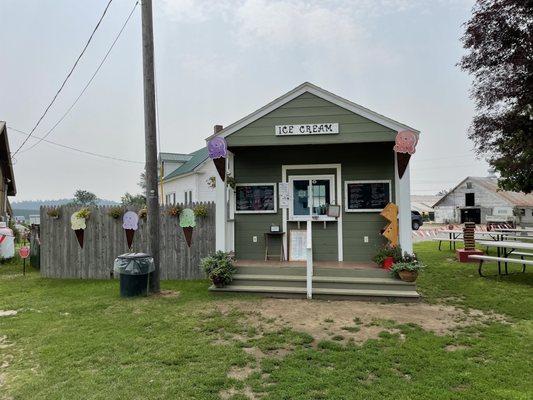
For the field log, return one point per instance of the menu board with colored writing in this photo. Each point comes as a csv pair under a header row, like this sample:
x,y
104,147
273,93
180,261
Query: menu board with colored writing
x,y
367,196
255,198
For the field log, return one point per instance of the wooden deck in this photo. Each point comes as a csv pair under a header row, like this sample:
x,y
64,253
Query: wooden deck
x,y
316,264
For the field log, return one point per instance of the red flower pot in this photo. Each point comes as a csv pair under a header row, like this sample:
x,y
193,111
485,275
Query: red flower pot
x,y
388,262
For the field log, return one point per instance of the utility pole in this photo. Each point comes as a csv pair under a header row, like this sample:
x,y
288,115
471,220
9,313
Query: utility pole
x,y
150,137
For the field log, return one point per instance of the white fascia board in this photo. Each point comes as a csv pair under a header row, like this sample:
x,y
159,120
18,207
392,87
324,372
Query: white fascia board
x,y
319,92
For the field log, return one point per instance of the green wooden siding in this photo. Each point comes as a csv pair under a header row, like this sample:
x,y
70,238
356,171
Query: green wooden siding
x,y
308,109
361,161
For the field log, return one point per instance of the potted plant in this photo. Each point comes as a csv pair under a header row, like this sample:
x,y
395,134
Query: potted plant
x,y
388,255
201,211
174,211
230,181
115,212
219,268
211,182
53,213
407,268
84,213
143,212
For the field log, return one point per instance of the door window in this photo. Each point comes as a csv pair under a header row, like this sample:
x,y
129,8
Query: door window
x,y
322,195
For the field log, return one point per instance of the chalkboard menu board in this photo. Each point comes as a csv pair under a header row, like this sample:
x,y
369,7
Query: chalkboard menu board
x,y
255,198
366,195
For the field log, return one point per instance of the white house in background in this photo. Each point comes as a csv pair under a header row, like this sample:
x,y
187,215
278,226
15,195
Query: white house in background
x,y
424,205
480,200
187,177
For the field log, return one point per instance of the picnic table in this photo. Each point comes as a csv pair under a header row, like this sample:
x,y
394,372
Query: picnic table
x,y
526,230
455,234
505,248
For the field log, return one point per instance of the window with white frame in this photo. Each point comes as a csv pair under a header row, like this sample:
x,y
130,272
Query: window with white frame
x,y
311,196
170,198
255,198
187,196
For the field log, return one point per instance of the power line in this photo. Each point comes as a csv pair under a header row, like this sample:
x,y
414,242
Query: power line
x,y
76,149
66,79
88,82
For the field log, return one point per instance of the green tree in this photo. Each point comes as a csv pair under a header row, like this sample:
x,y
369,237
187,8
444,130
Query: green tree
x,y
84,198
129,199
499,43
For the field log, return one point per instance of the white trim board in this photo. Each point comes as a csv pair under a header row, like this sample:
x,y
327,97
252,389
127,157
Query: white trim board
x,y
307,87
360,210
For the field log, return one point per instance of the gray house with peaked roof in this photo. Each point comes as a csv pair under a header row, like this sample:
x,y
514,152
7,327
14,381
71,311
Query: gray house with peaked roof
x,y
186,178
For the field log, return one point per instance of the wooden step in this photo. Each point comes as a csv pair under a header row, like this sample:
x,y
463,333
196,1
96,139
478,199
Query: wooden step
x,y
334,282
320,292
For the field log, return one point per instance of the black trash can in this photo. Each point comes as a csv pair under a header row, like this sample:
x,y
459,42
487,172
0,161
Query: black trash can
x,y
133,270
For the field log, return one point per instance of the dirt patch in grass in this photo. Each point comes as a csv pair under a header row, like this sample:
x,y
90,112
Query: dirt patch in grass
x,y
352,321
167,293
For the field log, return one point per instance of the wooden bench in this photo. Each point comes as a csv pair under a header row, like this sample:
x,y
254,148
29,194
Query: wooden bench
x,y
502,259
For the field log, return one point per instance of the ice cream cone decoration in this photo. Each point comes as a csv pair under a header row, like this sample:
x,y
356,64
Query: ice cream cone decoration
x,y
405,147
187,223
130,223
218,151
78,225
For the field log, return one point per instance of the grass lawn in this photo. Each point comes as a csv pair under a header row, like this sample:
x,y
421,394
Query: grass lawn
x,y
75,339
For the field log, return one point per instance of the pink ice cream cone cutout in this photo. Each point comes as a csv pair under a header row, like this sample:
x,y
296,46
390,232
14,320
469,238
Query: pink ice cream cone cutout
x,y
130,223
187,223
218,151
405,147
78,225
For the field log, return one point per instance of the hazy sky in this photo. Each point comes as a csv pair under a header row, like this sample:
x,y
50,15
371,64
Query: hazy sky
x,y
216,61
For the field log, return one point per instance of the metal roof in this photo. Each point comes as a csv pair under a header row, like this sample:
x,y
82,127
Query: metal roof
x,y
195,159
518,199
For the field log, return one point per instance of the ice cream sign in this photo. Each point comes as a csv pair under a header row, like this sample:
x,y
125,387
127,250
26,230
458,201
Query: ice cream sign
x,y
326,128
130,223
218,152
404,147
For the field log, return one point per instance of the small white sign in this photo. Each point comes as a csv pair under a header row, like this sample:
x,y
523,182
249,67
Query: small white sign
x,y
297,245
284,196
326,128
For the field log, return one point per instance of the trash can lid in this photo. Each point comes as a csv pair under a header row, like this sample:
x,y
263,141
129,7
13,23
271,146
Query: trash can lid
x,y
134,264
134,255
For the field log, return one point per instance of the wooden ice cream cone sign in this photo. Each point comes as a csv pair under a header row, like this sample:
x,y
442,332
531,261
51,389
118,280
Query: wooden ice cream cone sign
x,y
187,223
130,223
390,213
78,225
404,147
218,152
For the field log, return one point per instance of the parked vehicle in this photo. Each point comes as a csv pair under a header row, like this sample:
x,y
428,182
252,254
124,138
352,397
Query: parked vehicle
x,y
416,220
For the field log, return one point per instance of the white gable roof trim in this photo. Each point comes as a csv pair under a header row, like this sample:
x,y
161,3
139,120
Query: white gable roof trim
x,y
307,87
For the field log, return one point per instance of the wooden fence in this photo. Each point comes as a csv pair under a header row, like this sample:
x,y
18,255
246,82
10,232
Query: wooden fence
x,y
105,239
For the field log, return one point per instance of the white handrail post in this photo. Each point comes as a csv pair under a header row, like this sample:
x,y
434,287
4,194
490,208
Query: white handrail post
x,y
309,243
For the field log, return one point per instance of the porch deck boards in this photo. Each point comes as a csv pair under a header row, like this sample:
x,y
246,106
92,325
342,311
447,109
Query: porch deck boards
x,y
316,264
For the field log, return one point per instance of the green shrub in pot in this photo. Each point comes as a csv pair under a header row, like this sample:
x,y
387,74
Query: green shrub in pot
x,y
219,268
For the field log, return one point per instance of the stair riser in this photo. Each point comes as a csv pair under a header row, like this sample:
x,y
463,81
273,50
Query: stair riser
x,y
301,271
328,285
379,299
